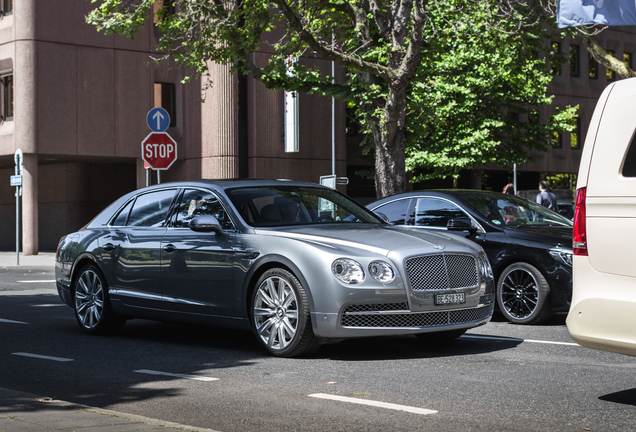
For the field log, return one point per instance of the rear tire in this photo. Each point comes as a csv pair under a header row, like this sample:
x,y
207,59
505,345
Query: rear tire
x,y
280,315
523,295
92,305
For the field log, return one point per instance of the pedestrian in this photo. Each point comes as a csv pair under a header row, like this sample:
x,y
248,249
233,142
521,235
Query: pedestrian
x,y
546,198
509,189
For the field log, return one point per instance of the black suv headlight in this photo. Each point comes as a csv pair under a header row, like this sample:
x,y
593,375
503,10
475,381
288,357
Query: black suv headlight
x,y
562,255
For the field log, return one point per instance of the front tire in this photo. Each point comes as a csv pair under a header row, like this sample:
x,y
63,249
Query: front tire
x,y
523,295
92,306
280,315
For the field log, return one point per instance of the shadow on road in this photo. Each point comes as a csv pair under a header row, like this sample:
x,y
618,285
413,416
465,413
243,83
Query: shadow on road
x,y
625,397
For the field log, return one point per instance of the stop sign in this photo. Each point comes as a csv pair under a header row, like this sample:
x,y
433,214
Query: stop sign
x,y
159,150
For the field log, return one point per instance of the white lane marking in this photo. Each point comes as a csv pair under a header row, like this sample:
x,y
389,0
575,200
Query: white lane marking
x,y
38,281
519,340
49,305
38,356
396,407
12,322
191,377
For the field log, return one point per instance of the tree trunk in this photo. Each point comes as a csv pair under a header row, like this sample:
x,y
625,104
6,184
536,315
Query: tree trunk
x,y
389,136
390,165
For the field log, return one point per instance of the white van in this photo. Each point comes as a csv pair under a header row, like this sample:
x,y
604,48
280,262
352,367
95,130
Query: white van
x,y
603,310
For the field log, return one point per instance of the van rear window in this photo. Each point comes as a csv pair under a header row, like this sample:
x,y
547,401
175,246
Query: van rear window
x,y
629,166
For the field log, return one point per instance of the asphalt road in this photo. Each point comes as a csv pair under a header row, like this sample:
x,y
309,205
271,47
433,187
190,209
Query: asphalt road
x,y
499,377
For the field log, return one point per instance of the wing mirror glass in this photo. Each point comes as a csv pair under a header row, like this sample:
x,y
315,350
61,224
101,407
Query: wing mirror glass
x,y
461,224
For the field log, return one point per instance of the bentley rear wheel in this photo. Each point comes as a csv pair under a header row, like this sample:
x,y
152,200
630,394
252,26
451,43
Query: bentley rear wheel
x,y
92,306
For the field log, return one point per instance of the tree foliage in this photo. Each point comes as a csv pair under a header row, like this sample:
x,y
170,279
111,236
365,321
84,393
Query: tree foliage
x,y
440,75
477,98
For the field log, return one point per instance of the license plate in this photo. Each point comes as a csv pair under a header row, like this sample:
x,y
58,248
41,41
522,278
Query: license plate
x,y
446,299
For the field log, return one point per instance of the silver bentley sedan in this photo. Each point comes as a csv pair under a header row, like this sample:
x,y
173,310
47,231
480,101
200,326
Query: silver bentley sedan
x,y
297,263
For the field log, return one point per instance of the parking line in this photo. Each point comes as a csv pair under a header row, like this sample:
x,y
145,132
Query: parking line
x,y
49,305
12,322
191,377
38,356
518,340
38,281
378,404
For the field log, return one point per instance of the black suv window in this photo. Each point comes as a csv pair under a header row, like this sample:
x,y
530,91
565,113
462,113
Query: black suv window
x,y
150,209
194,203
434,212
398,212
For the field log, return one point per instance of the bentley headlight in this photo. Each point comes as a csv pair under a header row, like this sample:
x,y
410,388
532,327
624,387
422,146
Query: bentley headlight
x,y
381,271
562,255
348,271
484,267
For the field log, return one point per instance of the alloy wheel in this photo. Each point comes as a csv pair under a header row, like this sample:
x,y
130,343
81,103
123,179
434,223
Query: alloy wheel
x,y
89,299
276,313
519,293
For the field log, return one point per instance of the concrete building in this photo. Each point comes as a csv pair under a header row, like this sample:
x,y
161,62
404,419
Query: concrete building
x,y
76,104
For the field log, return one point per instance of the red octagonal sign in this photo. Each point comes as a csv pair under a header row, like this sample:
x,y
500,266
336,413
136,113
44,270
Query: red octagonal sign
x,y
159,150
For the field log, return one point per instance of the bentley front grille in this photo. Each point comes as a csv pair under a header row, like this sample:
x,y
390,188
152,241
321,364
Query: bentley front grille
x,y
375,317
442,271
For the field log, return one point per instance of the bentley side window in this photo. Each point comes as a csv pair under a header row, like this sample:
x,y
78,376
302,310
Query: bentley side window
x,y
196,203
433,212
122,217
150,210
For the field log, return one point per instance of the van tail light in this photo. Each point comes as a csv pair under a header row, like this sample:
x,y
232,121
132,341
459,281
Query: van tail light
x,y
579,235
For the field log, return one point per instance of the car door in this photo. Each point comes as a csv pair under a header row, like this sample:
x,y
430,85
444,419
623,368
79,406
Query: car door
x,y
197,267
133,249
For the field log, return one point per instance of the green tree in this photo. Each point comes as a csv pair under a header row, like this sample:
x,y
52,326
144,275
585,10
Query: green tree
x,y
387,48
476,99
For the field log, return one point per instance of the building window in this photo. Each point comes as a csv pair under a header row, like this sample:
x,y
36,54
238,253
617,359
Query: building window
x,y
556,59
165,97
575,135
592,67
575,69
627,60
7,7
610,74
7,96
556,140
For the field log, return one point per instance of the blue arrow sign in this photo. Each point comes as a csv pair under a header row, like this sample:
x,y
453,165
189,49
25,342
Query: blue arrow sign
x,y
16,180
158,119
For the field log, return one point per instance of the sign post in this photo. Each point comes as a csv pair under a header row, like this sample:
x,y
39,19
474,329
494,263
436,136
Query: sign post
x,y
16,180
158,150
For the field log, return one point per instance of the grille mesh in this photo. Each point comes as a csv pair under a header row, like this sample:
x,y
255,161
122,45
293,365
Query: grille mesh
x,y
417,319
377,307
442,271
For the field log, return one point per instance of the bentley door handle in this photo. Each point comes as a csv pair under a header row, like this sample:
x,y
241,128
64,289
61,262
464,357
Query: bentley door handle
x,y
169,248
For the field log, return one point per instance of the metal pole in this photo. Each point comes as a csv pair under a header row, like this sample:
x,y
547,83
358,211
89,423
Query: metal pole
x,y
158,177
333,115
17,225
147,177
514,178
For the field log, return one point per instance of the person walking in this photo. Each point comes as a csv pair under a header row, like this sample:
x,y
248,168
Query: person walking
x,y
546,198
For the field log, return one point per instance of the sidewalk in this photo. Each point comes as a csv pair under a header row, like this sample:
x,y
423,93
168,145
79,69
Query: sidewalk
x,y
43,259
21,412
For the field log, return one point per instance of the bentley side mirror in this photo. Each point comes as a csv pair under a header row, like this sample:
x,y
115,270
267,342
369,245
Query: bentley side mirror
x,y
461,224
205,223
